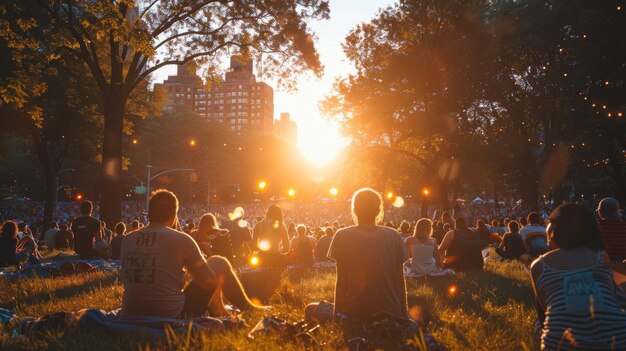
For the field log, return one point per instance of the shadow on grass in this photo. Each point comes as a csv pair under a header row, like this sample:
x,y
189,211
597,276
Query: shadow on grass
x,y
64,293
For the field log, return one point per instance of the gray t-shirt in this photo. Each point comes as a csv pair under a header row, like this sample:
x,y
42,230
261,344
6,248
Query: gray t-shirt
x,y
370,277
152,271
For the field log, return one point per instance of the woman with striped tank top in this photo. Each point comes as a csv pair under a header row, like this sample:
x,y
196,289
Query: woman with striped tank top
x,y
579,305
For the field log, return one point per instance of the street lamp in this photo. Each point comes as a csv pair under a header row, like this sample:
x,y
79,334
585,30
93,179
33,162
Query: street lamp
x,y
56,193
149,178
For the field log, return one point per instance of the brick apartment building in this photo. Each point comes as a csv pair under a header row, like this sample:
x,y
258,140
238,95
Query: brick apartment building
x,y
239,101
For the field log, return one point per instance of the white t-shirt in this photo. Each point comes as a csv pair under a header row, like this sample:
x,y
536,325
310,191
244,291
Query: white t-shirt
x,y
152,260
50,236
531,229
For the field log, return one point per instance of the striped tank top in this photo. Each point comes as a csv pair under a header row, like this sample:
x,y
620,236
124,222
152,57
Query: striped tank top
x,y
583,309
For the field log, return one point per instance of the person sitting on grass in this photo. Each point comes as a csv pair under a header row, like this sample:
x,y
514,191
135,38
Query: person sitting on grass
x,y
365,287
512,245
579,305
534,236
153,260
64,239
422,249
461,248
322,245
116,242
302,245
270,238
8,244
87,230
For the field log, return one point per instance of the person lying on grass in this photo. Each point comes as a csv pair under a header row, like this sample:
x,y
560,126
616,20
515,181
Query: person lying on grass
x,y
370,257
153,259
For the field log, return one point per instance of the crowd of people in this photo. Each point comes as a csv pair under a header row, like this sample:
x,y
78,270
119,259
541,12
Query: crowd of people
x,y
578,268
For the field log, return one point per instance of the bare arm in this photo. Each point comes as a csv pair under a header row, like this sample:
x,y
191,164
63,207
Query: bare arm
x,y
446,242
197,266
284,238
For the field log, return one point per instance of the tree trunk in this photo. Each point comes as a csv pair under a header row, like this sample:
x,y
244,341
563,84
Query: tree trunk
x,y
111,190
49,203
620,182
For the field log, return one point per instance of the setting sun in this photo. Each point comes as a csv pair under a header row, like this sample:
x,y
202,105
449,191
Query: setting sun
x,y
319,141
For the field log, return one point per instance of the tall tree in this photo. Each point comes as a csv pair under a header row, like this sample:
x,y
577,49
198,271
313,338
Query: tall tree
x,y
124,41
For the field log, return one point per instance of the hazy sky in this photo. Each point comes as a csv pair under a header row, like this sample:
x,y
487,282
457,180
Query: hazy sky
x,y
344,16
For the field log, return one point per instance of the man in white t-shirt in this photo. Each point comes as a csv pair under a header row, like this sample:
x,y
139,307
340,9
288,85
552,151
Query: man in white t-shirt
x,y
534,235
153,261
51,234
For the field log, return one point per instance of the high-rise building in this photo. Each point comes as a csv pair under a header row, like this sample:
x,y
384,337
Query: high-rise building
x,y
286,128
181,87
239,101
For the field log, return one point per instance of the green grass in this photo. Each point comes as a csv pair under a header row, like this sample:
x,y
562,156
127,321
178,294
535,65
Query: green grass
x,y
491,310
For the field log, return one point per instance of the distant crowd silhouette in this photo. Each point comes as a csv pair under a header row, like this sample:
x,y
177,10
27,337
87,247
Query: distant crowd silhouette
x,y
171,269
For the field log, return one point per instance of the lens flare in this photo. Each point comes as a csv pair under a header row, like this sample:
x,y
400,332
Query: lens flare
x,y
398,202
264,245
237,213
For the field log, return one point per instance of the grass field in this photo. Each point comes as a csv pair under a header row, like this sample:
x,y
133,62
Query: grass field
x,y
491,310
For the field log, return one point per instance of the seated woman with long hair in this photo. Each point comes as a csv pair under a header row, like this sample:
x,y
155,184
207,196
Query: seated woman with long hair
x,y
8,244
211,239
270,238
579,304
423,252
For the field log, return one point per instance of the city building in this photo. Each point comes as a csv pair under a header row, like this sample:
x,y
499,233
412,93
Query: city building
x,y
239,100
286,128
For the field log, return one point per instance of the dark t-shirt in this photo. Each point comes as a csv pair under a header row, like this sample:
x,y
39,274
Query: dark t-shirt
x,y
64,240
85,229
464,252
238,235
7,251
321,248
370,277
513,245
116,247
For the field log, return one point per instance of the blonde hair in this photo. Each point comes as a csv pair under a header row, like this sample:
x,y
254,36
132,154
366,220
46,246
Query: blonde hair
x,y
423,229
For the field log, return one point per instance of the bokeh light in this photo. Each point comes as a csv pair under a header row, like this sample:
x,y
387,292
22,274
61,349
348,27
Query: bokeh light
x,y
398,202
264,245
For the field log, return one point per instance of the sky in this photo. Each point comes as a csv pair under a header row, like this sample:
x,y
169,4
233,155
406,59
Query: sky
x,y
318,138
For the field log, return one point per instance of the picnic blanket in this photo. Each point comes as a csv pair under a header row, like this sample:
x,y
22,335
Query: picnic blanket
x,y
98,321
59,265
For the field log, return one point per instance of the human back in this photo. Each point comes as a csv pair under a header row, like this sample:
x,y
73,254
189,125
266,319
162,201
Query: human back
x,y
575,289
152,260
369,257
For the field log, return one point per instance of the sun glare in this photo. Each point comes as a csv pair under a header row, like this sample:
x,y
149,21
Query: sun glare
x,y
319,141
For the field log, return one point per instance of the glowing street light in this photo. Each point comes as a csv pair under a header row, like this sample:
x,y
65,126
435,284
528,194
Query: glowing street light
x,y
262,185
192,142
389,195
425,192
291,192
79,197
135,141
333,191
